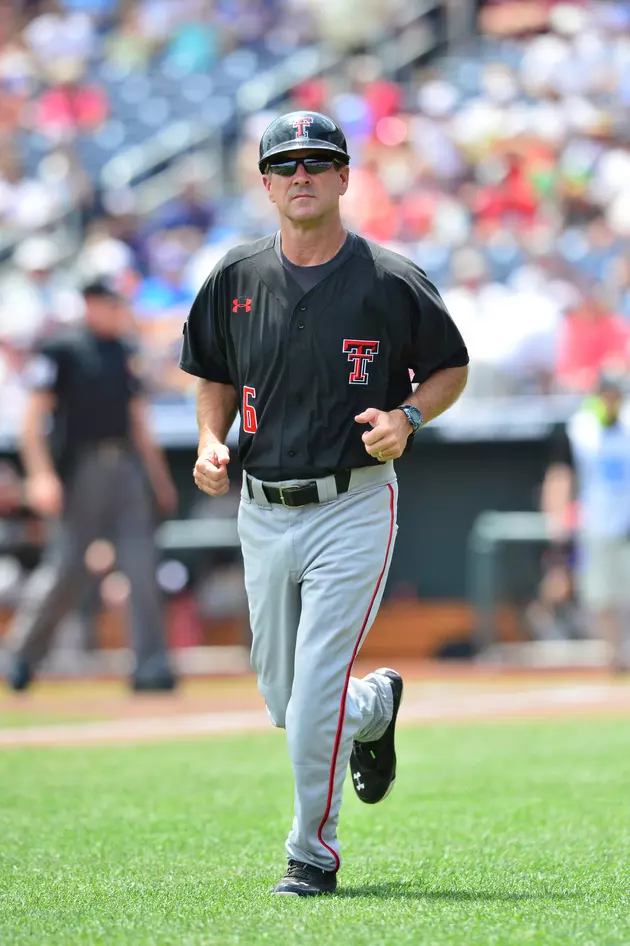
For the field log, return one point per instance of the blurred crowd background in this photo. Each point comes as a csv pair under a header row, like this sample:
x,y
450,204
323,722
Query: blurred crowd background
x,y
490,143
502,167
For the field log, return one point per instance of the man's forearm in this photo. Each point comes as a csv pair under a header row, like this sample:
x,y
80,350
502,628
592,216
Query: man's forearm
x,y
439,392
557,492
217,406
150,452
34,449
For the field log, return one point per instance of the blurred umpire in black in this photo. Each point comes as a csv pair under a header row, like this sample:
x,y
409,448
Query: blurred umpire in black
x,y
97,474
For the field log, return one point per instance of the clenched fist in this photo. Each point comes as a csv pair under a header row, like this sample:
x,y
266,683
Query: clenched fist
x,y
389,434
210,470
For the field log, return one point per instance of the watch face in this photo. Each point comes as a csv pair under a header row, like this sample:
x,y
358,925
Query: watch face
x,y
415,416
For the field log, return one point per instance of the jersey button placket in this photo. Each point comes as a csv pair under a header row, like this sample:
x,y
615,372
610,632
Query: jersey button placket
x,y
297,399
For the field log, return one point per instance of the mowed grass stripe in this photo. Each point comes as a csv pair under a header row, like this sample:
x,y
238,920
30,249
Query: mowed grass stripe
x,y
495,834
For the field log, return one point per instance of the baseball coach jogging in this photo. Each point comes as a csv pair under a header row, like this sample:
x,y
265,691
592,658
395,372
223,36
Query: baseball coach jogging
x,y
311,335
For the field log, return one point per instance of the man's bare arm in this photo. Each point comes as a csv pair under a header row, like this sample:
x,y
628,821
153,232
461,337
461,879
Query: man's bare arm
x,y
217,405
556,497
390,430
34,449
43,489
439,392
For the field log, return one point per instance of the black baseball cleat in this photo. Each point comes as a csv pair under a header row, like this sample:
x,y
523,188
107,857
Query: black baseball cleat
x,y
19,675
373,764
304,880
160,681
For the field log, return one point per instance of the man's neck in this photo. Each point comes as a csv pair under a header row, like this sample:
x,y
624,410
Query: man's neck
x,y
314,245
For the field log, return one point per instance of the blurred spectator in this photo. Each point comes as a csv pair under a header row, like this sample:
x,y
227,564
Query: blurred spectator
x,y
100,11
195,43
165,287
350,25
161,304
18,78
25,202
591,339
513,197
60,39
618,282
159,19
189,209
63,174
37,295
71,106
129,47
103,256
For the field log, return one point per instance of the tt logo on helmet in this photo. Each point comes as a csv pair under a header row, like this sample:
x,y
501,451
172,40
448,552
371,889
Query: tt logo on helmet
x,y
236,305
360,353
302,126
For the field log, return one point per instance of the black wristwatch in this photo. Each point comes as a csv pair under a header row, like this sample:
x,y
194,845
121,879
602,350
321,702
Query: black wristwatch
x,y
413,415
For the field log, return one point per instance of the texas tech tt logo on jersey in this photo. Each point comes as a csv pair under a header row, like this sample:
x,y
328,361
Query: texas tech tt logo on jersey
x,y
301,124
359,352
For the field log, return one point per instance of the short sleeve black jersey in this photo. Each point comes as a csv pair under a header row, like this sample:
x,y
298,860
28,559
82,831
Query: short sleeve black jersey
x,y
304,364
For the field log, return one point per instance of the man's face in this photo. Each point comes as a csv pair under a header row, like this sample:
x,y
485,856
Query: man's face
x,y
306,197
105,316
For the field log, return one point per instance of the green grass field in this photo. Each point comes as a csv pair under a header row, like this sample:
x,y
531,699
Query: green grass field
x,y
495,834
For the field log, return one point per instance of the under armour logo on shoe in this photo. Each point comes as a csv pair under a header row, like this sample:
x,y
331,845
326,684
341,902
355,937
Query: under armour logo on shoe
x,y
236,305
357,777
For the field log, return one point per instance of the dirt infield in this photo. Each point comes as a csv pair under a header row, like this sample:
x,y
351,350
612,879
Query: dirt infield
x,y
96,712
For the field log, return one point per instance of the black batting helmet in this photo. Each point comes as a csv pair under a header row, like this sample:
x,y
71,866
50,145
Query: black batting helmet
x,y
299,130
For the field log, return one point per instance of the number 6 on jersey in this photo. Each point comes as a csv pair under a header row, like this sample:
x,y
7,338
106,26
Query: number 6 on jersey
x,y
250,421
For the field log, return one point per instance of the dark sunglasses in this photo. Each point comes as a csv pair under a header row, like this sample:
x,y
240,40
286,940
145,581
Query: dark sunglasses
x,y
313,165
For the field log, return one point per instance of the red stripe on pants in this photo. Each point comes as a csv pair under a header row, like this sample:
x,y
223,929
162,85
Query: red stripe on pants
x,y
342,708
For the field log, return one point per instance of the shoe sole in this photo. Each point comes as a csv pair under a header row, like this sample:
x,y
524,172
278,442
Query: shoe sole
x,y
288,893
389,790
386,673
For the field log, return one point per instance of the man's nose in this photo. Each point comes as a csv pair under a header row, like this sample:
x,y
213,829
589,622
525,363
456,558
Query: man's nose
x,y
301,174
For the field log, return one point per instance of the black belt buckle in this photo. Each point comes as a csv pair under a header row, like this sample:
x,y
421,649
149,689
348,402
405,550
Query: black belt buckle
x,y
289,489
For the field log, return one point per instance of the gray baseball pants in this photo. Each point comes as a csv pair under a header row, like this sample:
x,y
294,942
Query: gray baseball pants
x,y
315,577
107,497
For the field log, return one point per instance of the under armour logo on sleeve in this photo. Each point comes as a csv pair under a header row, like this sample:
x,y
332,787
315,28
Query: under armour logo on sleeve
x,y
236,305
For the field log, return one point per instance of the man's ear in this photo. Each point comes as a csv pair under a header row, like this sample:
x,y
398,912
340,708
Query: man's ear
x,y
267,184
344,179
